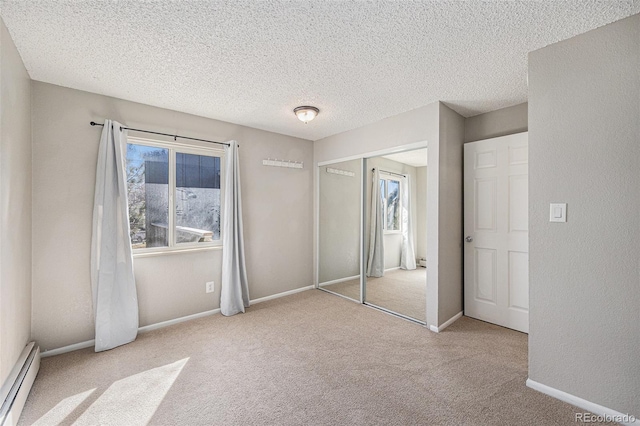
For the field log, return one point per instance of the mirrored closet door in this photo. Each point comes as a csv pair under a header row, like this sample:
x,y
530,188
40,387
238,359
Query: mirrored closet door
x,y
395,239
339,221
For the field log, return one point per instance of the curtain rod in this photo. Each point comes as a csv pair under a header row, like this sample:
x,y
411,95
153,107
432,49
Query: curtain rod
x,y
390,173
93,123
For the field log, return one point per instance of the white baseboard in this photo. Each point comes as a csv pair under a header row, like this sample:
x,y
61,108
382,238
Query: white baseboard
x,y
69,348
151,327
447,323
599,410
28,366
283,294
167,323
393,269
339,280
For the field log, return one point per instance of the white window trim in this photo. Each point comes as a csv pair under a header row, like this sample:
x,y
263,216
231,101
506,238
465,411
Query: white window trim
x,y
387,177
186,148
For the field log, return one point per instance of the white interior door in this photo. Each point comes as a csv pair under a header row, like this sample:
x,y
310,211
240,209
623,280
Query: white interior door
x,y
496,226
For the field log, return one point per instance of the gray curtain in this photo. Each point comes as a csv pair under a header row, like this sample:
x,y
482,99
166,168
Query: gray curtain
x,y
234,295
115,301
408,256
375,266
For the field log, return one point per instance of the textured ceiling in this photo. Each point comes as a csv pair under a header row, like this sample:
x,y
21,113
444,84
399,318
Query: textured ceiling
x,y
252,62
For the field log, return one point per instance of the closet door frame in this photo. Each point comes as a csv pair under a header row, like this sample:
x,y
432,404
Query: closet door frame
x,y
363,209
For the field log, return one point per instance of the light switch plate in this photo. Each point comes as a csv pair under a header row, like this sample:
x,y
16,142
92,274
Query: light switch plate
x,y
558,212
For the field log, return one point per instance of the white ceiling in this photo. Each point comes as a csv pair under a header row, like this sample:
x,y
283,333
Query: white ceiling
x,y
252,62
415,158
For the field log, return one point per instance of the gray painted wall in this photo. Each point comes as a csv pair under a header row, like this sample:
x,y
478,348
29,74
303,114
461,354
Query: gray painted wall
x,y
277,213
584,149
15,205
418,125
502,122
450,286
339,222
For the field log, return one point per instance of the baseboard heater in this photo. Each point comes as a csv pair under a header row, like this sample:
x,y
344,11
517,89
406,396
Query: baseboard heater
x,y
16,388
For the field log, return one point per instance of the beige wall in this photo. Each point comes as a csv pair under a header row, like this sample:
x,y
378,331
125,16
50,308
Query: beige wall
x,y
277,213
443,130
339,236
15,205
502,122
584,149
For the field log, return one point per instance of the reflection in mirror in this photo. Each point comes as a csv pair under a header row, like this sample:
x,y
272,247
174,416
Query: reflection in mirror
x,y
396,240
339,233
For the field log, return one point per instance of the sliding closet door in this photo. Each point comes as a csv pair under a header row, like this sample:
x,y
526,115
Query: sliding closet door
x,y
339,221
395,212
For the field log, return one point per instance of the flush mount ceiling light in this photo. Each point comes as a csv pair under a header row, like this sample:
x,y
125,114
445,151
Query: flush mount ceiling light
x,y
306,113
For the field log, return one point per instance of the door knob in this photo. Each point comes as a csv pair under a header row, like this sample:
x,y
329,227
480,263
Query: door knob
x,y
469,239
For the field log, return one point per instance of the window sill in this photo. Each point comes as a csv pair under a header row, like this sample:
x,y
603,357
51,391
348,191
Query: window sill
x,y
166,252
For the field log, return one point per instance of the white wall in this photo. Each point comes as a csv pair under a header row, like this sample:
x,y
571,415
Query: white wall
x,y
15,205
339,239
277,215
584,149
443,130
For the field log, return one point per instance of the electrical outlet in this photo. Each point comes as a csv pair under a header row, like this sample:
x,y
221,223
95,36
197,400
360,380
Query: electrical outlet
x,y
210,286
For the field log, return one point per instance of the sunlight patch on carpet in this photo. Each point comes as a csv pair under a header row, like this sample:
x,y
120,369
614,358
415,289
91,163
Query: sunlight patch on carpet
x,y
62,409
134,399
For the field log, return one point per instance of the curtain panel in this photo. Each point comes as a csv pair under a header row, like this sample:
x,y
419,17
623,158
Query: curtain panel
x,y
234,296
375,265
408,256
115,300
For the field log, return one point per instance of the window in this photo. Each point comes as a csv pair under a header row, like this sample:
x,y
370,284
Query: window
x,y
174,195
390,193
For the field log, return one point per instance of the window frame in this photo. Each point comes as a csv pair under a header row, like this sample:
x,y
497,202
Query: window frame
x,y
386,177
175,147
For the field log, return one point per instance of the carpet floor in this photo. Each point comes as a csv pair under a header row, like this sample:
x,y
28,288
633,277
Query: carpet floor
x,y
307,359
401,291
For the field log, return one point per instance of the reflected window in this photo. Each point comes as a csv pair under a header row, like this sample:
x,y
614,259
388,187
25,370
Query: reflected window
x,y
390,193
